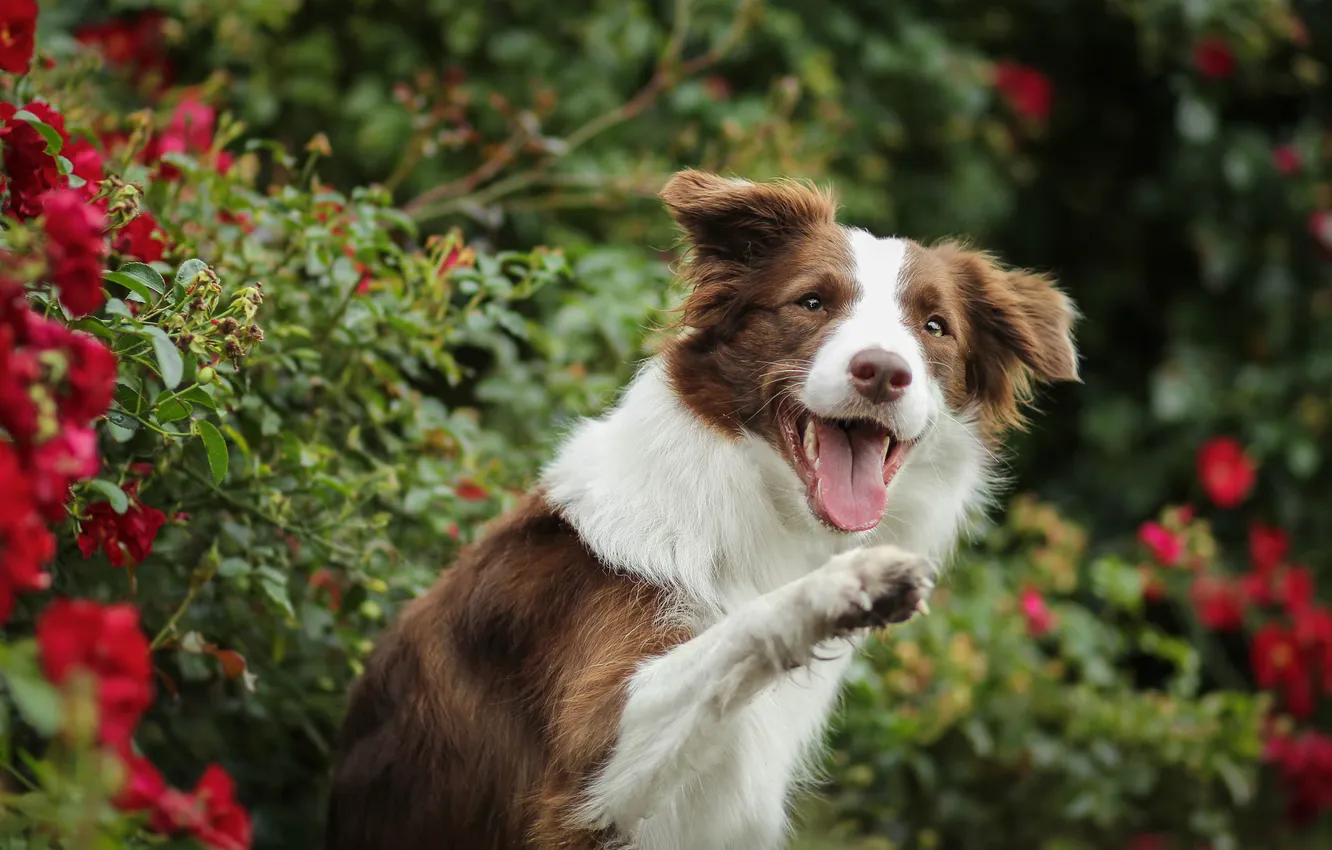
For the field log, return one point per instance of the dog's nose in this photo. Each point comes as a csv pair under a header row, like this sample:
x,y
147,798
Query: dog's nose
x,y
880,375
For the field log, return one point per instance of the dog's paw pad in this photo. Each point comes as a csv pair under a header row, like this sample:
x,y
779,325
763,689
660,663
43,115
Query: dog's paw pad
x,y
879,586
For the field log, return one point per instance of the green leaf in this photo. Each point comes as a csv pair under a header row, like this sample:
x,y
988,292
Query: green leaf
x,y
116,307
114,495
197,395
173,410
216,447
65,167
275,586
140,278
54,144
37,700
188,270
168,358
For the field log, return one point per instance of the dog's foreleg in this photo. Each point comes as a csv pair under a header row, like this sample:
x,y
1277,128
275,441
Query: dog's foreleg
x,y
678,702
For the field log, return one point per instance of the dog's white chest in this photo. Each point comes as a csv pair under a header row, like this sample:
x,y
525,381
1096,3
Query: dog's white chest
x,y
737,795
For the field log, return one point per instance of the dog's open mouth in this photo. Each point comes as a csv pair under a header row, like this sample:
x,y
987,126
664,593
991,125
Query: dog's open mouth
x,y
847,465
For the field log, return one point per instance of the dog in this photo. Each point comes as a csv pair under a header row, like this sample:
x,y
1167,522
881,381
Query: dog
x,y
644,653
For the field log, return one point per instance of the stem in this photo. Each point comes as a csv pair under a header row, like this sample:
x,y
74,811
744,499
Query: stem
x,y
669,72
170,626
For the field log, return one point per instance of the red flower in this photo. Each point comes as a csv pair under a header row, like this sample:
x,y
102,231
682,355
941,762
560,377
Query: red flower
x,y
1226,472
1320,227
1151,841
1295,589
91,376
135,43
190,132
142,239
1218,602
106,642
25,543
1286,159
57,463
1040,620
1268,546
120,535
469,491
1305,764
1213,58
1313,634
143,785
32,171
225,824
1279,665
75,249
1165,546
323,579
1027,91
18,26
86,162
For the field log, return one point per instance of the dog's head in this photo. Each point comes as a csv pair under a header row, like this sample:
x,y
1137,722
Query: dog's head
x,y
845,352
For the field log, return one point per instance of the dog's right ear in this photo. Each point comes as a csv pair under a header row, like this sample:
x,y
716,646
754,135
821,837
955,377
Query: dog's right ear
x,y
737,221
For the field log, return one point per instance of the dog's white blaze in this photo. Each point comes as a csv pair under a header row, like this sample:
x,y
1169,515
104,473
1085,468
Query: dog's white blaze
x,y
875,321
722,523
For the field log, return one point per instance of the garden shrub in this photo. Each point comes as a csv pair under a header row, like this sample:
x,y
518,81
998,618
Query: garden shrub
x,y
247,411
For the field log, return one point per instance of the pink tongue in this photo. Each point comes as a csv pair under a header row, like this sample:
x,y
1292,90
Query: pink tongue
x,y
849,481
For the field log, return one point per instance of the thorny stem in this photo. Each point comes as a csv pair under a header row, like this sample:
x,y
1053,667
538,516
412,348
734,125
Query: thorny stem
x,y
670,71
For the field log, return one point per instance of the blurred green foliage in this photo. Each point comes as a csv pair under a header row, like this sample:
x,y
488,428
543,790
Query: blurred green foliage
x,y
541,132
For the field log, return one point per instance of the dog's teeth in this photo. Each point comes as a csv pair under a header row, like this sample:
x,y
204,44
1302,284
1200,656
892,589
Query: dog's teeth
x,y
887,449
923,607
811,444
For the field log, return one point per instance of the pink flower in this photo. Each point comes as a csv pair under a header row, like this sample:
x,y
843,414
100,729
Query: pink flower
x,y
1226,471
1040,620
1164,545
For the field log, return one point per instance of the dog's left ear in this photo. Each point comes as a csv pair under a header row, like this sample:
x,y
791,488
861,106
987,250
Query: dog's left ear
x,y
1021,329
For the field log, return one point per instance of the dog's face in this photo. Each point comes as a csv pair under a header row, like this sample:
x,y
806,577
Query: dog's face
x,y
843,351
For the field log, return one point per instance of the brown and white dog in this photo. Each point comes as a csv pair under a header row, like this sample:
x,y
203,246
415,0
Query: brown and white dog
x,y
645,654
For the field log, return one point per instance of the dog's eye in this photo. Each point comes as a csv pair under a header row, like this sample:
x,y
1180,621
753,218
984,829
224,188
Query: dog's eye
x,y
935,327
812,303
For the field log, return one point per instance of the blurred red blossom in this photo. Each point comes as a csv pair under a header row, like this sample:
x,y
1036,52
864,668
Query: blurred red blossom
x,y
1039,617
1218,602
18,26
31,170
1213,58
1164,545
1305,766
1027,91
1226,471
1286,159
142,239
1279,665
75,249
104,641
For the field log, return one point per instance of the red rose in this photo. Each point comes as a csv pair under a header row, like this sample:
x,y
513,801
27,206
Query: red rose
x,y
1305,765
19,370
86,162
75,249
1164,545
1218,602
91,376
1286,159
225,824
135,43
1279,665
32,171
120,535
18,26
1226,472
1268,546
106,642
469,491
1213,58
1027,91
142,239
143,786
1040,620
1313,633
1295,589
57,463
25,543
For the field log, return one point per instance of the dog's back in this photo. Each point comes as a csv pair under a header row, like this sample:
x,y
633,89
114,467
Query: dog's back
x,y
480,711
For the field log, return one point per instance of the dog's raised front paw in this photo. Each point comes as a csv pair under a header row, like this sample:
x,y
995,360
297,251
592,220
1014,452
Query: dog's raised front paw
x,y
876,586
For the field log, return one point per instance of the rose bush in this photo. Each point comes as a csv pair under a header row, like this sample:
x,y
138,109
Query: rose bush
x,y
246,411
